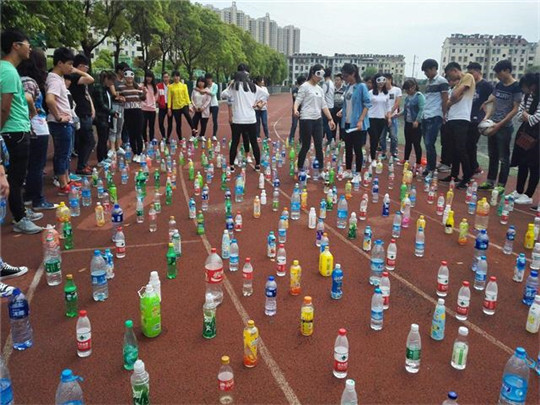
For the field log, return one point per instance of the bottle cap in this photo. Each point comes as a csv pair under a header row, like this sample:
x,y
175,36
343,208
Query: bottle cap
x,y
440,301
466,284
248,260
534,273
251,323
67,375
414,327
82,313
307,299
385,274
129,323
295,262
463,331
213,250
444,263
350,384
271,278
493,278
281,245
16,292
97,252
69,276
378,290
225,360
342,332
171,245
520,352
452,395
138,367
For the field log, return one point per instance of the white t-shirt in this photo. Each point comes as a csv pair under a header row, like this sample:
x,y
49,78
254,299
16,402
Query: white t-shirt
x,y
243,102
55,85
312,100
329,90
380,105
462,109
393,94
265,99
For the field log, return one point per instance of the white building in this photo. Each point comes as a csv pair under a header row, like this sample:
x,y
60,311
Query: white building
x,y
300,63
487,50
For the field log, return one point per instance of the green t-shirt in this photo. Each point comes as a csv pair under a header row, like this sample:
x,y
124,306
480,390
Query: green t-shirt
x,y
10,83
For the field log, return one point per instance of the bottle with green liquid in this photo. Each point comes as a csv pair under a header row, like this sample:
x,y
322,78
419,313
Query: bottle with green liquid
x,y
140,384
209,313
168,195
131,347
172,269
68,236
71,297
150,312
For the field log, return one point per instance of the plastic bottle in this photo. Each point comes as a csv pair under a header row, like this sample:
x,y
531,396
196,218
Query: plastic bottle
x,y
531,288
209,318
270,306
385,289
482,215
419,244
19,317
6,390
414,350
172,268
481,245
131,347
480,276
70,297
363,208
98,271
460,350
341,354
120,243
312,218
275,200
509,241
69,390
140,384
463,232
251,341
386,205
336,291
366,243
326,262
271,246
319,232
247,278
533,318
282,230
296,274
515,380
117,218
150,312
234,256
391,255
74,204
353,226
443,277
52,260
84,335
463,302
99,214
449,223
342,213
519,269
256,207
295,204
200,223
377,310
307,317
225,381
535,257
396,225
452,399
377,262
490,298
349,396
157,202
528,242
439,321
214,276
86,193
281,261
440,204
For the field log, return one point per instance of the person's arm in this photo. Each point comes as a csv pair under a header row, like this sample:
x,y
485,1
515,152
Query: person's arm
x,y
4,185
491,99
532,119
366,103
300,96
214,90
50,99
31,105
85,77
169,98
521,110
507,118
397,103
444,98
421,105
7,98
206,102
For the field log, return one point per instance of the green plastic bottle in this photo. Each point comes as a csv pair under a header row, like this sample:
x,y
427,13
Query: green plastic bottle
x,y
172,270
71,297
209,313
131,347
113,192
200,223
168,195
68,236
150,313
157,178
140,384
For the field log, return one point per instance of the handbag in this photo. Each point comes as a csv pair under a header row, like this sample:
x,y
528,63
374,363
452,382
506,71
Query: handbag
x,y
525,141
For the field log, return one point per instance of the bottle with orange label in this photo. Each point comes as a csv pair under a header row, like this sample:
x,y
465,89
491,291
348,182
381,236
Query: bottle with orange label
x,y
306,317
251,341
296,274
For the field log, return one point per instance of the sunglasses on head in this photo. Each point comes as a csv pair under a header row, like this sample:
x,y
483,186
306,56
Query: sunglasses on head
x,y
129,73
381,79
319,73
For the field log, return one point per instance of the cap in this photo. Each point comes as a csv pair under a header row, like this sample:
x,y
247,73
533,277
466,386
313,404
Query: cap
x,y
444,263
440,301
466,284
67,375
97,252
414,327
349,384
392,240
138,367
385,274
154,275
251,323
463,330
129,323
69,276
16,292
378,290
307,299
281,245
338,266
342,331
270,278
493,278
82,312
248,259
452,395
520,352
213,250
170,244
225,360
534,273
295,262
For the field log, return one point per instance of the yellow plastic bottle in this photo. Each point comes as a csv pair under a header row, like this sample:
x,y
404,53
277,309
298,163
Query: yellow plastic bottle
x,y
296,275
529,237
251,340
306,317
100,215
421,223
449,197
303,199
463,232
256,207
326,262
449,226
348,190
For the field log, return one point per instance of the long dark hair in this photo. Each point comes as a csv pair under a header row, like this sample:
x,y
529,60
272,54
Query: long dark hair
x,y
313,69
351,69
149,73
242,78
529,80
35,67
376,87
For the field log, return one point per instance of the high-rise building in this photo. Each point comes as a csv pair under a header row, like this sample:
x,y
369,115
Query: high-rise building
x,y
487,50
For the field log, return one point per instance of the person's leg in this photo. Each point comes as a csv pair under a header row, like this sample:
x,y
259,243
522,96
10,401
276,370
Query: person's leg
x,y
305,138
318,141
348,148
103,135
382,138
251,133
204,124
152,123
178,122
196,120
18,146
503,144
138,129
61,135
185,113
326,128
416,141
408,140
457,132
258,123
264,119
472,140
376,127
446,146
86,142
161,121
294,124
533,180
145,124
358,140
523,172
431,131
493,152
37,159
234,143
214,111
394,137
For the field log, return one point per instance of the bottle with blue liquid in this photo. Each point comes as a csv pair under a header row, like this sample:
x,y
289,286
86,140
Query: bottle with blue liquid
x,y
337,283
515,380
6,391
19,317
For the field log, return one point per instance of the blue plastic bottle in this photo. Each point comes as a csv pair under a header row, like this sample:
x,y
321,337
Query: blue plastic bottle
x,y
531,288
439,321
337,283
515,381
19,311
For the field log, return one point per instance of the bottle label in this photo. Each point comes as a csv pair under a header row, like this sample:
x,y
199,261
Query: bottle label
x,y
282,233
530,293
209,325
463,307
71,296
386,299
19,309
391,259
247,275
120,247
226,385
413,354
306,323
52,266
442,284
141,394
214,276
270,292
99,278
479,276
233,259
341,361
84,341
419,246
514,388
459,355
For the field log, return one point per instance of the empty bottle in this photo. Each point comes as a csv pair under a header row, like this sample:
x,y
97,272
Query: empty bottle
x,y
251,342
150,312
226,381
307,313
463,302
341,354
140,384
515,381
451,399
509,241
336,291
385,289
69,390
84,335
98,272
296,274
519,269
234,256
413,351
438,322
419,244
531,288
377,310
130,348
443,278
247,278
152,218
460,350
480,276
391,255
209,318
19,318
342,213
312,218
349,396
377,263
490,297
533,317
270,290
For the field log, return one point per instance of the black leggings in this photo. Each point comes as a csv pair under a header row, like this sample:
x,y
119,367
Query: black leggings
x,y
204,121
376,127
353,141
102,127
413,137
133,119
247,131
523,172
149,120
177,114
309,129
162,115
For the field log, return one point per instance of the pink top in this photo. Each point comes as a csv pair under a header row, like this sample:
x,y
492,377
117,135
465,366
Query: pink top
x,y
150,103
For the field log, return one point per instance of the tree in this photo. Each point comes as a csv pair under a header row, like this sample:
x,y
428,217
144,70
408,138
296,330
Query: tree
x,y
120,31
164,40
369,72
533,69
104,60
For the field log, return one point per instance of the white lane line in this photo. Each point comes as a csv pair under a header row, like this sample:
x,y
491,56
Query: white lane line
x,y
407,283
267,357
136,246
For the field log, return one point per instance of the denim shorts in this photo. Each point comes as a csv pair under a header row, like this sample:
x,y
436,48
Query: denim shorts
x,y
62,139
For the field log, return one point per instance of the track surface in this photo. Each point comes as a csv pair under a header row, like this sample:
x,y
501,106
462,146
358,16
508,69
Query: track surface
x,y
292,369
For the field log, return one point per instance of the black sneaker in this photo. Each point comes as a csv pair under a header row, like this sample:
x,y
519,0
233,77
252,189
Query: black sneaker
x,y
257,168
462,185
9,271
446,179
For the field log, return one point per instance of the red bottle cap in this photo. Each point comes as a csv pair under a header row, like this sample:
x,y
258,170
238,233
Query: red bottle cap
x,y
342,332
466,284
82,313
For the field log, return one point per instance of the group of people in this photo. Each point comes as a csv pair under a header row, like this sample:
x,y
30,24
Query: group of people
x,y
453,105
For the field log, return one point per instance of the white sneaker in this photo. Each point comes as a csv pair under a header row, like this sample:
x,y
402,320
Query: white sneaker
x,y
515,195
347,175
192,139
214,138
249,159
203,138
136,158
33,216
26,226
524,199
110,153
121,151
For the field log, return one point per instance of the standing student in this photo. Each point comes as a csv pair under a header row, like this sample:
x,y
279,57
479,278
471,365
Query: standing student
x,y
394,95
354,117
526,152
261,109
133,118
179,104
300,80
201,100
434,110
413,111
458,120
214,104
117,129
243,95
105,113
379,112
163,91
481,94
312,99
505,98
338,103
329,91
148,106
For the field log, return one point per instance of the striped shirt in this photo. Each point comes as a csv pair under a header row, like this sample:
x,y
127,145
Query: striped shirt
x,y
525,106
133,95
434,89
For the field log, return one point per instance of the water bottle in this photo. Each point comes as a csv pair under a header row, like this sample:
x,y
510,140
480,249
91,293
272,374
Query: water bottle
x,y
270,306
490,298
341,354
375,191
275,200
533,318
349,396
460,349
19,318
140,384
295,204
74,206
86,193
531,288
117,218
342,213
234,256
482,215
419,244
120,243
515,380
239,189
377,262
52,260
205,196
535,257
6,391
438,322
377,310
247,278
214,276
209,318
282,230
69,390
319,232
391,255
225,381
316,170
519,269
337,283
238,222
463,302
281,261
312,218
271,246
386,205
509,241
443,278
366,243
130,347
98,272
84,335
480,276
413,350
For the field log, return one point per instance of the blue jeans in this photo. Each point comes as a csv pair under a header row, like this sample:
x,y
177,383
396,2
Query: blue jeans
x,y
294,124
393,129
430,130
499,151
62,140
262,116
37,160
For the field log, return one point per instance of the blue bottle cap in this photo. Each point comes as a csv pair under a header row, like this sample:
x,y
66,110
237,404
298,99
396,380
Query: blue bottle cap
x,y
16,292
534,273
97,252
67,375
378,290
271,278
452,395
520,352
483,257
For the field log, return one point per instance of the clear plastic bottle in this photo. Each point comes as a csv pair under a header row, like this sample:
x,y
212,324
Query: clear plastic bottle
x,y
140,384
238,222
19,318
52,260
157,202
319,232
515,380
509,241
519,269
533,318
336,291
86,193
120,243
98,272
271,246
281,261
247,278
234,256
131,347
312,218
396,225
480,276
438,321
451,399
275,200
377,262
391,255
214,276
6,390
342,213
414,350
377,310
460,350
282,230
349,396
295,204
99,213
139,210
463,302
84,335
443,278
226,381
482,215
531,288
419,244
69,390
341,354
296,274
385,289
209,318
270,306
117,218
490,297
74,203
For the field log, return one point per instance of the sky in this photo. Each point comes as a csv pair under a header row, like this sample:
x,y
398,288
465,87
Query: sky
x,y
394,27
